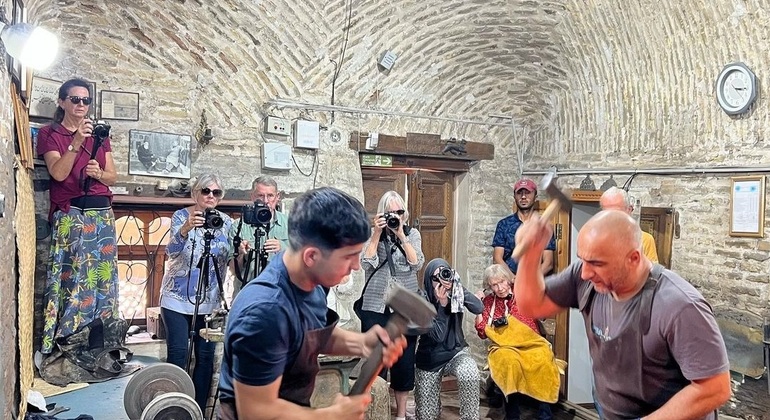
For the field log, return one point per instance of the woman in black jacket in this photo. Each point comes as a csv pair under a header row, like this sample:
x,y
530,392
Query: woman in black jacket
x,y
442,350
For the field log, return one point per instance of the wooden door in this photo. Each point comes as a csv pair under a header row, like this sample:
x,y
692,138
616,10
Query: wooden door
x,y
659,222
431,204
379,181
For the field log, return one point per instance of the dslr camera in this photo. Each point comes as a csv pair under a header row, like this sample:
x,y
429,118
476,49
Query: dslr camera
x,y
392,219
212,219
500,322
446,274
101,130
257,214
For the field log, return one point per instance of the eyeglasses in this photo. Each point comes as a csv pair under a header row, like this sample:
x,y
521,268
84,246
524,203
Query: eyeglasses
x,y
85,100
206,191
265,196
399,212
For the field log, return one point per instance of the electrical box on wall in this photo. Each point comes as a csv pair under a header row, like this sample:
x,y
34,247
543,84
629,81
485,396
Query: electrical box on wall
x,y
307,134
276,156
277,126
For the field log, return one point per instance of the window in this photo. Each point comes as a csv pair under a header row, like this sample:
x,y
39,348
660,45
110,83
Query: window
x,y
142,236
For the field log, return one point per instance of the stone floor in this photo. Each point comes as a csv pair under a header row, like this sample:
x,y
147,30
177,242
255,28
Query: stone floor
x,y
451,409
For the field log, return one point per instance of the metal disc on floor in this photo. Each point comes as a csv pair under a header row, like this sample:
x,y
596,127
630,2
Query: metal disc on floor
x,y
152,381
172,406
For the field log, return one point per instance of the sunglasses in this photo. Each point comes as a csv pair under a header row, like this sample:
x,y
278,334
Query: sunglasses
x,y
206,191
398,212
85,100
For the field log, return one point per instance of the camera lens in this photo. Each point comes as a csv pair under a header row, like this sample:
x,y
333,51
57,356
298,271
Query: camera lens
x,y
393,220
445,274
212,219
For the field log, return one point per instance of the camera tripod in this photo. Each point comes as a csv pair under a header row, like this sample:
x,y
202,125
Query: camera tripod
x,y
200,292
259,261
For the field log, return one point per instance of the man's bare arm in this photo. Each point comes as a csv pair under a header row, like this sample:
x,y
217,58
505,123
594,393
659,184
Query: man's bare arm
x,y
263,403
696,400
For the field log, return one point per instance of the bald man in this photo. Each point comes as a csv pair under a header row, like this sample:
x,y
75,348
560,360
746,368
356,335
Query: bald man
x,y
617,199
661,358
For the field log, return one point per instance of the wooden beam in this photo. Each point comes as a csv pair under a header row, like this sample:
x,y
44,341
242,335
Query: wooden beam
x,y
424,145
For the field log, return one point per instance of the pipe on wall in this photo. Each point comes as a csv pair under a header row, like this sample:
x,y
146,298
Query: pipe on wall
x,y
705,170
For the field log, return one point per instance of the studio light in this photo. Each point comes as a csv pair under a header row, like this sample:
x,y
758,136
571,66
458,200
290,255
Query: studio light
x,y
33,46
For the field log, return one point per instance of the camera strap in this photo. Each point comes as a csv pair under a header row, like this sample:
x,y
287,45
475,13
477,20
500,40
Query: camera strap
x,y
492,311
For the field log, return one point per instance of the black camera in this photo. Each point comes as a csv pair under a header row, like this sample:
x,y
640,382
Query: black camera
x,y
446,274
101,130
257,214
500,322
392,219
212,219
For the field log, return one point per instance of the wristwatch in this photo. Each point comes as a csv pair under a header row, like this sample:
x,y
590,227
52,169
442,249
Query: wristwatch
x,y
72,149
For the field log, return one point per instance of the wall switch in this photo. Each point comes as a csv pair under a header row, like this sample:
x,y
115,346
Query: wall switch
x,y
277,126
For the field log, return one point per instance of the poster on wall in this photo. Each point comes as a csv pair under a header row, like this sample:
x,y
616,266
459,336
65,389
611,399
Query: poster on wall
x,y
747,206
43,96
159,154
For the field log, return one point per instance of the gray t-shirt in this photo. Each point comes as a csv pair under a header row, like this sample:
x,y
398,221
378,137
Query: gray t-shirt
x,y
683,335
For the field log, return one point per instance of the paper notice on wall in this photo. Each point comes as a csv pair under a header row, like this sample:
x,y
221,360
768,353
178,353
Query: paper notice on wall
x,y
746,202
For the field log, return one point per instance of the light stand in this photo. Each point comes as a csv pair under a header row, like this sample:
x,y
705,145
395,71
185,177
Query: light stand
x,y
202,286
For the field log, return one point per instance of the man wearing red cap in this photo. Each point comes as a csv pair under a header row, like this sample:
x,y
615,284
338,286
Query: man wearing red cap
x,y
525,192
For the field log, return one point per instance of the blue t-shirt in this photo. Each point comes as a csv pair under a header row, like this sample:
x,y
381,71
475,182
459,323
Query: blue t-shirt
x,y
266,327
505,237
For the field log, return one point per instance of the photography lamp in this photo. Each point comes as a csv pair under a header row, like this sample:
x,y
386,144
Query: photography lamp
x,y
33,46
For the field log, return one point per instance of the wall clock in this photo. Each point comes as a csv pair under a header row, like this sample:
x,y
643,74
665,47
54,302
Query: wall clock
x,y
736,88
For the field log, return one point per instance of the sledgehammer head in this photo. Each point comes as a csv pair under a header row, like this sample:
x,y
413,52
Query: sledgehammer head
x,y
548,184
411,306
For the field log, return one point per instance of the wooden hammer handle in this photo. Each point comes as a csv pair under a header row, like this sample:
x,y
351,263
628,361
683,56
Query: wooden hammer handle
x,y
553,208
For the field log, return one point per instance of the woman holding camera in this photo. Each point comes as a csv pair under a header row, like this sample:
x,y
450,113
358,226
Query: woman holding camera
x,y
393,255
83,224
499,311
185,287
442,350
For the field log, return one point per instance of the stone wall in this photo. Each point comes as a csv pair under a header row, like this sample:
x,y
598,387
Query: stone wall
x,y
598,83
8,276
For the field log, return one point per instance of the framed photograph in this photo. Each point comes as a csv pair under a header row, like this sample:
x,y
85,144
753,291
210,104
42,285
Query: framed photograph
x,y
114,105
42,97
159,154
747,206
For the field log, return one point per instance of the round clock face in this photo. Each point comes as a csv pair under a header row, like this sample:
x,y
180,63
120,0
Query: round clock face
x,y
736,88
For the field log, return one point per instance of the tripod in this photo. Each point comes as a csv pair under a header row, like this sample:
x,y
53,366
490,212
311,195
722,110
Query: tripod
x,y
258,262
201,287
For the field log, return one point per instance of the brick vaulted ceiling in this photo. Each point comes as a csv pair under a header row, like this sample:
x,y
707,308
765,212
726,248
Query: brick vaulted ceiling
x,y
547,62
455,58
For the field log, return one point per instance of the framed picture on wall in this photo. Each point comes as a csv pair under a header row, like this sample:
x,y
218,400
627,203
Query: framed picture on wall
x,y
159,154
747,206
114,105
43,96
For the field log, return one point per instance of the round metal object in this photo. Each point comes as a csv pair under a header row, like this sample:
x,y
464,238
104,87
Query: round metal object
x,y
172,406
152,381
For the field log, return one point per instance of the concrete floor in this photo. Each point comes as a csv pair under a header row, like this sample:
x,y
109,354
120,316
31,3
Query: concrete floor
x,y
105,400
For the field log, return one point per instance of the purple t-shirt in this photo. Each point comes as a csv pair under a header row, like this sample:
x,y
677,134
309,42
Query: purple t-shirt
x,y
54,137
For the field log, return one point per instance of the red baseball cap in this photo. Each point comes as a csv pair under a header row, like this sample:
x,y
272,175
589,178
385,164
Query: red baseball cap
x,y
526,184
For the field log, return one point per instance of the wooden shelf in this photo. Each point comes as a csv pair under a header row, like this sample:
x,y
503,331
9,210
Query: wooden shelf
x,y
169,203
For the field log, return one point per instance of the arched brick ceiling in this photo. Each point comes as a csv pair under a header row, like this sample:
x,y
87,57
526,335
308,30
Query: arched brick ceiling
x,y
455,58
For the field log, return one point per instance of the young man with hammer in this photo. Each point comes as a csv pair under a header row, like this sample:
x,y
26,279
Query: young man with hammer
x,y
656,348
504,241
279,322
